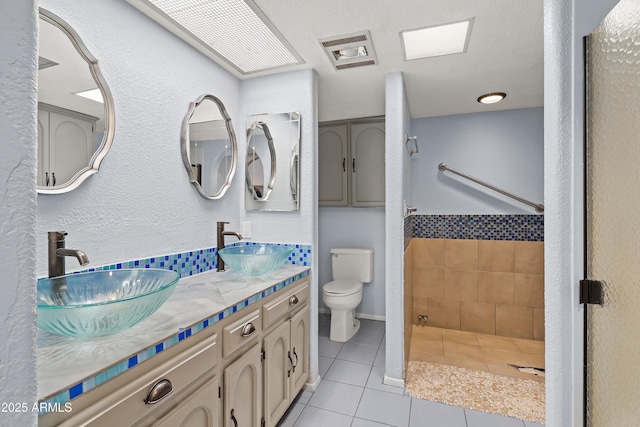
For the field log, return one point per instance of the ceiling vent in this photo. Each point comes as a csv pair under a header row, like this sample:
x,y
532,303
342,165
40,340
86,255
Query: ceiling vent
x,y
350,50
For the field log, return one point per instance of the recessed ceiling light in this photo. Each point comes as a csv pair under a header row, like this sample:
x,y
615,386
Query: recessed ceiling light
x,y
492,98
92,94
438,40
235,31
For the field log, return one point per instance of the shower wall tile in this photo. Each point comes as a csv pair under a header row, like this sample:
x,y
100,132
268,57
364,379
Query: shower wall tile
x,y
478,317
460,285
538,324
496,255
529,257
428,282
496,288
461,254
529,290
528,228
443,313
515,322
428,253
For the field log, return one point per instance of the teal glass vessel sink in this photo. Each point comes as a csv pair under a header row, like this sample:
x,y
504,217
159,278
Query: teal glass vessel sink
x,y
102,302
255,260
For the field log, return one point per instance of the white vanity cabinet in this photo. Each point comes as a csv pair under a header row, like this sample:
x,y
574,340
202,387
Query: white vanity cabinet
x,y
351,164
243,390
286,358
65,144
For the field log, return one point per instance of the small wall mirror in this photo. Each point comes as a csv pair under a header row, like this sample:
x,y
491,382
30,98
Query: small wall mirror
x,y
75,109
261,160
273,152
209,148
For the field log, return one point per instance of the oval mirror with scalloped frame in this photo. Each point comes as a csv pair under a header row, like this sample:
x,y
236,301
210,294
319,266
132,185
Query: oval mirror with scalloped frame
x,y
76,119
209,147
269,137
261,156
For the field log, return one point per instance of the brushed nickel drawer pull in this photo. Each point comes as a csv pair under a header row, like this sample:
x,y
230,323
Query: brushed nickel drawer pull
x,y
293,300
159,391
248,330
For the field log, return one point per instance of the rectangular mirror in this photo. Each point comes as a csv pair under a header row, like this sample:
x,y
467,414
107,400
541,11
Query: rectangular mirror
x,y
273,162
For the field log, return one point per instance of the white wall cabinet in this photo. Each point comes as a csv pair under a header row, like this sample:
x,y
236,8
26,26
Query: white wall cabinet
x,y
65,144
351,164
262,360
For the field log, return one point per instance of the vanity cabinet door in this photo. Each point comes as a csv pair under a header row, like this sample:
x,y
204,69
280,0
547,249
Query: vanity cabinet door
x,y
278,368
300,350
243,390
333,165
368,175
200,409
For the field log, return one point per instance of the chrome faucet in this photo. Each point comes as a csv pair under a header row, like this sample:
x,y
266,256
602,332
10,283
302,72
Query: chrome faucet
x,y
58,252
221,234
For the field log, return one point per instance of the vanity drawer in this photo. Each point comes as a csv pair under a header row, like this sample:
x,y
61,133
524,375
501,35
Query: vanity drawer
x,y
288,302
240,332
127,405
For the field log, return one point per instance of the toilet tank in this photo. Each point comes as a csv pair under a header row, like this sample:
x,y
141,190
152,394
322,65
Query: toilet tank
x,y
352,263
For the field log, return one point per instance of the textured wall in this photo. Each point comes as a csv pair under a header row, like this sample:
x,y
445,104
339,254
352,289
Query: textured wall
x,y
503,148
141,203
294,91
18,69
397,125
566,22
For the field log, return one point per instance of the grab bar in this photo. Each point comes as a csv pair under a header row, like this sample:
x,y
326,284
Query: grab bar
x,y
537,207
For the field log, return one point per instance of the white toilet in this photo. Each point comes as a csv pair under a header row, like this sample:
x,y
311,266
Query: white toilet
x,y
351,268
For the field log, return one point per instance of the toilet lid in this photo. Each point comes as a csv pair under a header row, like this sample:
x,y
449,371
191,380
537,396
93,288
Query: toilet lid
x,y
343,287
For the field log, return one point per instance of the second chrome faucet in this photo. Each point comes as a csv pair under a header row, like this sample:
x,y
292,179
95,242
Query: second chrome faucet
x,y
220,241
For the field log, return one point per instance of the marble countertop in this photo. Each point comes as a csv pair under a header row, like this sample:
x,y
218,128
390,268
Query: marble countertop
x,y
63,362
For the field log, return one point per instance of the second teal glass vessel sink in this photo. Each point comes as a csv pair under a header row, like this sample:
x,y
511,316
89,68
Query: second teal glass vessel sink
x,y
255,260
102,302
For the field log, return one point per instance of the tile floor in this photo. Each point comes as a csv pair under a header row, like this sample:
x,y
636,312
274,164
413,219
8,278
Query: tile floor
x,y
351,392
490,353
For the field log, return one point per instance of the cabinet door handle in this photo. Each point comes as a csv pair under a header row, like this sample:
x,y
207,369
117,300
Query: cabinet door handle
x,y
248,330
296,355
46,179
353,165
53,175
344,164
158,391
233,418
290,364
293,300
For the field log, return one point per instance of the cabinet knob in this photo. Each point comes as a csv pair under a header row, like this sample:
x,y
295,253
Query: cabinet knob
x,y
248,330
293,300
158,391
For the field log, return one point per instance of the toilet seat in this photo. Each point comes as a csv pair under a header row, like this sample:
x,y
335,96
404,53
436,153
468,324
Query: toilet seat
x,y
342,287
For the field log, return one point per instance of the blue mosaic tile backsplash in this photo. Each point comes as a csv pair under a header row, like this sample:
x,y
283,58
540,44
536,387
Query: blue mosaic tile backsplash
x,y
528,228
200,260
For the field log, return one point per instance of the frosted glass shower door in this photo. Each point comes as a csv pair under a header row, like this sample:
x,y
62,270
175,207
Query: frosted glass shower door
x,y
613,218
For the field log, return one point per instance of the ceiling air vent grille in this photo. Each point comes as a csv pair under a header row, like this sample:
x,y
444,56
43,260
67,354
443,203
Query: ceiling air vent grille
x,y
350,50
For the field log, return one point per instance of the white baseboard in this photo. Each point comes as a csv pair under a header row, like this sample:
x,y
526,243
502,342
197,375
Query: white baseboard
x,y
358,315
396,382
311,387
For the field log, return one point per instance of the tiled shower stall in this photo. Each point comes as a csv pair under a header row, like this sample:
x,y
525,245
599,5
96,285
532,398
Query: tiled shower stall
x,y
476,273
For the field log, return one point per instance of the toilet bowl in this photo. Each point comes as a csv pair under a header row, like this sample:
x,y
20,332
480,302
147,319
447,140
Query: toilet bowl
x,y
351,267
342,296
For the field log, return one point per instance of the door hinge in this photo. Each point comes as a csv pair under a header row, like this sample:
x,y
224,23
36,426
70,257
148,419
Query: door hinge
x,y
591,292
263,355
